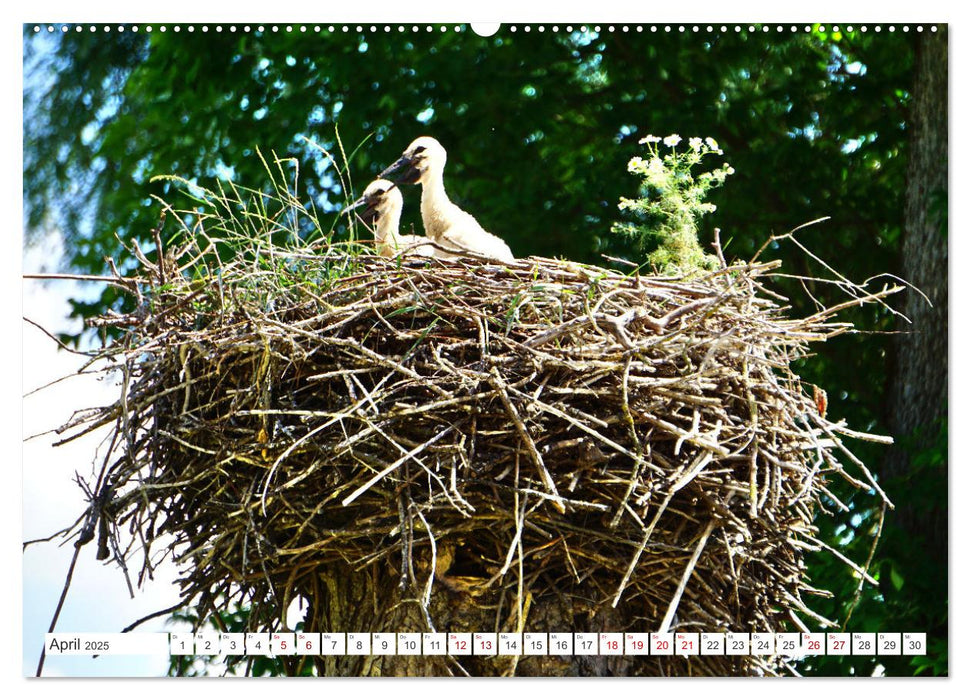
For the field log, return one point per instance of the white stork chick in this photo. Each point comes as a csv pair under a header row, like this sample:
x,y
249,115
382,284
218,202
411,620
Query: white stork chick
x,y
382,204
445,224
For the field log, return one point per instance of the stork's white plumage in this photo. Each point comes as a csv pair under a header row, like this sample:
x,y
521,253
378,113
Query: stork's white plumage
x,y
383,204
447,225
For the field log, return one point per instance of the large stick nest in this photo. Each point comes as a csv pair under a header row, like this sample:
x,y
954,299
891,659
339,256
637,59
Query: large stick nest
x,y
533,434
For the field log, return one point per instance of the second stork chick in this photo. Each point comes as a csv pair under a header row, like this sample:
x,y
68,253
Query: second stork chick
x,y
445,224
382,204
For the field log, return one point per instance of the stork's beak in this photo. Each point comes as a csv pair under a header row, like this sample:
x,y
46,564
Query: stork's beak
x,y
370,212
352,207
397,165
410,176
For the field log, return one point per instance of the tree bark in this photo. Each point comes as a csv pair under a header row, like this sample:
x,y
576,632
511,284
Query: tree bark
x,y
919,394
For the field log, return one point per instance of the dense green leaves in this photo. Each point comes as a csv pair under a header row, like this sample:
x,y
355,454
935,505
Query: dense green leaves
x,y
539,127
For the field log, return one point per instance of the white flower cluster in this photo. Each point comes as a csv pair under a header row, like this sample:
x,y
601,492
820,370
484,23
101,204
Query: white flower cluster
x,y
695,143
672,200
671,141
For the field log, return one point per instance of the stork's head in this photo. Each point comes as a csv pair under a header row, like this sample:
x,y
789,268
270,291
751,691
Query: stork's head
x,y
381,198
425,155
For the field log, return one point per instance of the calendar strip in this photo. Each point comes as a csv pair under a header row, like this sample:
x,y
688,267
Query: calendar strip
x,y
789,644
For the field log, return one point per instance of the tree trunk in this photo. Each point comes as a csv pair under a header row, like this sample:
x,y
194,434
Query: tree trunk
x,y
919,395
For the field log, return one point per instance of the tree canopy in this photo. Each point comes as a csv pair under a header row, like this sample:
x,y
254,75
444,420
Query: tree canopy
x,y
540,127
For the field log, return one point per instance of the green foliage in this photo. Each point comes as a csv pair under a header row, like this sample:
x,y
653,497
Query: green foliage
x,y
913,591
537,142
231,222
671,202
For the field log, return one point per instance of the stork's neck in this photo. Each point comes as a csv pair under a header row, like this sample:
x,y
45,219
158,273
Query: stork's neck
x,y
435,204
386,227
